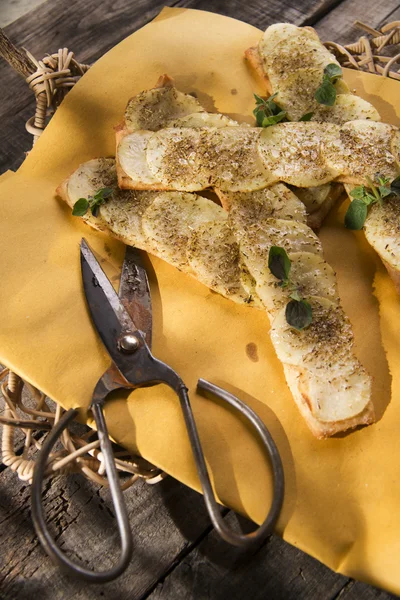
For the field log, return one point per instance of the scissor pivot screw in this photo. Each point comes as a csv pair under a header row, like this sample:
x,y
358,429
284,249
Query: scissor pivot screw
x,y
128,343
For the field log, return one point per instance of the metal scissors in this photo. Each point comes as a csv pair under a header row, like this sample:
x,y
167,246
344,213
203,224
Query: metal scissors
x,y
124,323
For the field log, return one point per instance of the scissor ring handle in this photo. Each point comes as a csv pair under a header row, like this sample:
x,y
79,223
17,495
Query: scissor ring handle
x,y
38,517
266,528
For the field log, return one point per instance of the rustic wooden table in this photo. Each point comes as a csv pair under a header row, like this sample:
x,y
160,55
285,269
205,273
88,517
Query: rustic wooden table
x,y
177,553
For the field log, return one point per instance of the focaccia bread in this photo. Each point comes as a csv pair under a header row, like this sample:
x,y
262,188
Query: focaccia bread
x,y
291,61
166,224
175,109
243,159
228,252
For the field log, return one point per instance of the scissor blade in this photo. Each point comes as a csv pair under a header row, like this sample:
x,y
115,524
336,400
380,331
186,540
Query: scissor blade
x,y
109,315
134,292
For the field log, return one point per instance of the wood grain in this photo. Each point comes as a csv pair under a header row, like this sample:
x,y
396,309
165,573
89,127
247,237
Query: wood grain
x,y
208,574
337,26
167,520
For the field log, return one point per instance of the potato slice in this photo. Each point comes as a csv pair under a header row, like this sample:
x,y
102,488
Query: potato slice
x,y
282,32
323,347
362,149
332,399
174,157
309,273
90,177
347,107
193,159
298,52
233,161
170,220
85,181
296,95
293,236
131,154
382,230
249,208
121,213
214,257
314,197
395,146
203,119
293,152
151,109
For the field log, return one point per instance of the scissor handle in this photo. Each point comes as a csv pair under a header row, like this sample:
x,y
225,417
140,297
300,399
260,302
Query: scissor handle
x,y
38,518
236,539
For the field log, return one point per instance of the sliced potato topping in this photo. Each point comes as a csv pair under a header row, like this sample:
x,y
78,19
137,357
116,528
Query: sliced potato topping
x,y
131,153
362,149
296,95
249,208
151,109
123,214
214,257
173,156
293,152
192,159
382,230
335,399
90,177
234,164
298,52
203,119
170,220
313,197
282,32
325,344
347,107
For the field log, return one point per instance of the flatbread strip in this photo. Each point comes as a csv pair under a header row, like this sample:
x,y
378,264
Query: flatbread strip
x,y
227,252
304,154
290,60
294,58
304,59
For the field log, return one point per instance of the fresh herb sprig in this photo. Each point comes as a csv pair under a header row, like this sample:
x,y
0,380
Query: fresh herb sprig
x,y
298,311
267,112
365,195
326,93
93,203
307,117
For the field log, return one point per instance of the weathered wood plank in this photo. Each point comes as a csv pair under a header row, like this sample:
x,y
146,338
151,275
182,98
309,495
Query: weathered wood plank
x,y
215,573
276,571
166,519
338,25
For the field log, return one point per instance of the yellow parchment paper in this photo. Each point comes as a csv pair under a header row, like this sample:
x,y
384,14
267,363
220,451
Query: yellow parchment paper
x,y
342,494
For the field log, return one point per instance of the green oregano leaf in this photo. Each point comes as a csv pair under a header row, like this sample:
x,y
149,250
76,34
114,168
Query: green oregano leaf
x,y
333,71
326,93
279,263
103,193
298,314
273,119
395,186
307,117
356,215
80,207
358,192
295,295
267,112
